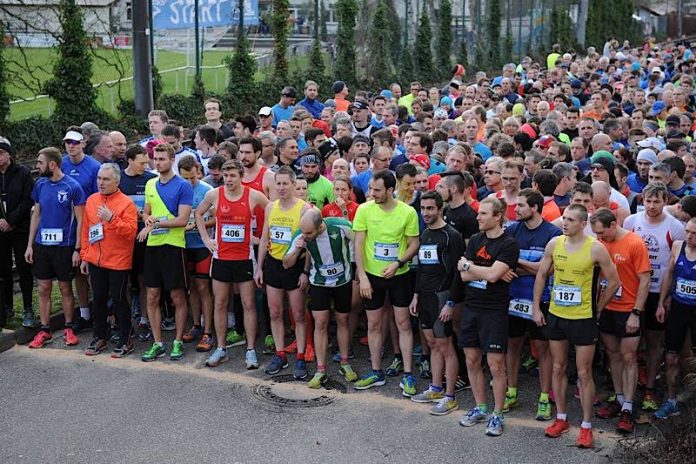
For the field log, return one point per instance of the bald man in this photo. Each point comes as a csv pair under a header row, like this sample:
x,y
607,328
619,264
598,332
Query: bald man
x,y
601,193
120,145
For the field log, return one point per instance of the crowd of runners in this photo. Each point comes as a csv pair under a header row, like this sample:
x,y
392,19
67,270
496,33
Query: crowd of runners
x,y
549,207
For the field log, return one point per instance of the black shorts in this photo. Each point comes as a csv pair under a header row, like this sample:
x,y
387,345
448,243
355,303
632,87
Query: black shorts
x,y
320,298
198,261
398,288
165,268
614,323
680,319
648,321
232,271
484,329
518,326
276,276
53,262
578,332
429,307
138,258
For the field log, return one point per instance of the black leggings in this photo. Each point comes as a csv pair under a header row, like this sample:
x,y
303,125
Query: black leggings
x,y
15,242
109,283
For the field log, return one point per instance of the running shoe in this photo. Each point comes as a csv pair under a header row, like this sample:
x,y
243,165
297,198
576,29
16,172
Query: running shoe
x,y
319,379
444,406
363,341
558,428
79,324
217,357
461,385
529,363
234,339
348,373
193,334
611,410
155,351
292,347
649,403
268,345
29,321
395,368
417,351
495,425
668,409
626,423
585,439
205,344
144,332
177,352
424,369
371,379
428,396
168,325
543,411
473,417
123,349
408,385
250,361
276,364
299,372
96,346
511,402
309,353
42,338
69,337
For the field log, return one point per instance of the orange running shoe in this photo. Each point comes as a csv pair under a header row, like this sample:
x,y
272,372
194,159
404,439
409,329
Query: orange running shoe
x,y
205,344
70,338
40,339
363,341
309,354
292,347
585,438
558,428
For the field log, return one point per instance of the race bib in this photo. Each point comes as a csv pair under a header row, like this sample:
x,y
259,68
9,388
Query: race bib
x,y
481,284
160,230
566,295
686,288
521,308
617,295
281,235
96,233
655,274
332,271
386,251
233,233
427,254
51,236
640,208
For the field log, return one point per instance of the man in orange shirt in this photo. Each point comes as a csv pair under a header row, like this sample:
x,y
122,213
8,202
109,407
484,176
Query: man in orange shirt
x,y
545,182
110,220
340,90
619,322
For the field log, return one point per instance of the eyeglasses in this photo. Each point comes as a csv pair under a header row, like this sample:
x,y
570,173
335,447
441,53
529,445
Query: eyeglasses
x,y
71,142
383,160
597,167
510,179
491,172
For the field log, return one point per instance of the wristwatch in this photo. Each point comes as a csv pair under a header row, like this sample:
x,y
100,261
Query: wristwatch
x,y
401,263
466,266
636,311
450,303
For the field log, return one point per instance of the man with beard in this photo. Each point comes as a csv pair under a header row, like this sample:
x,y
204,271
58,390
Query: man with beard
x,y
54,242
319,188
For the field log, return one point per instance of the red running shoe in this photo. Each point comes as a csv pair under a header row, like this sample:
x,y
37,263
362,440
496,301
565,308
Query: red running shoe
x,y
309,353
585,438
626,423
558,428
291,348
40,339
70,338
609,411
363,341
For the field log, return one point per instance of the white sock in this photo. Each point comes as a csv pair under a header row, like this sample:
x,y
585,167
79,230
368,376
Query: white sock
x,y
620,398
230,319
586,425
84,313
627,406
562,416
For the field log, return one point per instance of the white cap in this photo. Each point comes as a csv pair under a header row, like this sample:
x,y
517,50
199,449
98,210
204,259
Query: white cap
x,y
74,135
656,69
265,111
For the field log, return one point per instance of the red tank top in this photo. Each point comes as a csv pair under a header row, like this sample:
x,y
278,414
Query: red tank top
x,y
259,213
510,212
233,227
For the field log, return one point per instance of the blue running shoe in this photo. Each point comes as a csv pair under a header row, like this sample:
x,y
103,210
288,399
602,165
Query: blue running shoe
x,y
371,379
276,364
300,370
408,385
495,426
473,417
668,409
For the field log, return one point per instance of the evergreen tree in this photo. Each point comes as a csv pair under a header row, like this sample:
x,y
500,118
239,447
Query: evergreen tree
x,y
561,28
406,67
444,39
394,32
157,85
347,11
324,15
463,53
493,32
242,68
379,64
4,95
422,53
281,31
317,67
71,84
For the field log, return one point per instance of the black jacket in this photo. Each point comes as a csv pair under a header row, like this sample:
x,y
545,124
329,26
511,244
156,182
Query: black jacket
x,y
16,186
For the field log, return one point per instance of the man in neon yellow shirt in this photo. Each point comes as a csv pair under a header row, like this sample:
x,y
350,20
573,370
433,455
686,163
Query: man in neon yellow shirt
x,y
386,238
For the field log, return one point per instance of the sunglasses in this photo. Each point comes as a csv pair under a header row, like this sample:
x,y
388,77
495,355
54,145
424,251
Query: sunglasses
x,y
491,172
71,142
597,167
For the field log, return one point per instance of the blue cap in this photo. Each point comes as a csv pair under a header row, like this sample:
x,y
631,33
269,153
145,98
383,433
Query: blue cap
x,y
446,101
635,66
658,107
387,93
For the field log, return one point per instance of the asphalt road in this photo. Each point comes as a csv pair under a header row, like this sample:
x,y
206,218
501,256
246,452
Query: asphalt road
x,y
59,406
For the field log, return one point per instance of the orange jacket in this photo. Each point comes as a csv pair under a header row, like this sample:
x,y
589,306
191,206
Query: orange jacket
x,y
115,250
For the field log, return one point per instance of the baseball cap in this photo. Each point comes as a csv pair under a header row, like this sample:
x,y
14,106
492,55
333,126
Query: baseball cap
x,y
675,134
651,142
265,111
74,135
672,120
658,107
386,93
422,159
545,141
446,101
360,105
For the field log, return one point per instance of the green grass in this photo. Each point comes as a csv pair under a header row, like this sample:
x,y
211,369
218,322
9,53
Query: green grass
x,y
175,82
16,321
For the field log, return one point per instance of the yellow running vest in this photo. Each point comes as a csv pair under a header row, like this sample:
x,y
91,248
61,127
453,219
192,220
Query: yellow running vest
x,y
282,225
571,295
164,236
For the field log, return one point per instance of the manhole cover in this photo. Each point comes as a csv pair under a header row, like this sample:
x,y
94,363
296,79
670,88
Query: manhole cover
x,y
331,384
288,392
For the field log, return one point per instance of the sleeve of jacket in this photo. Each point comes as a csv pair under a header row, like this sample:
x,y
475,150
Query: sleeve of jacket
x,y
84,230
125,223
23,210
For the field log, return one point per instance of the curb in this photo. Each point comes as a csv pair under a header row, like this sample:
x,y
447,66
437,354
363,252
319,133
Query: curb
x,y
23,335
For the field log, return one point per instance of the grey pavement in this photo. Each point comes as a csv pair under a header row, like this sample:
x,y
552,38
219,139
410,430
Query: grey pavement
x,y
59,406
